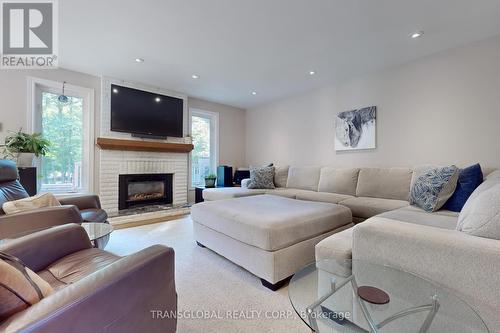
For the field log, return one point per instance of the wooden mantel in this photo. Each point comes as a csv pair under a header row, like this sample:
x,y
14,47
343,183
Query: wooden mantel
x,y
136,145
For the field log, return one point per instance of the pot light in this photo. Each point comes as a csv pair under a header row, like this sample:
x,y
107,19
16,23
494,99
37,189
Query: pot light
x,y
254,93
194,76
115,91
417,34
139,60
157,99
312,72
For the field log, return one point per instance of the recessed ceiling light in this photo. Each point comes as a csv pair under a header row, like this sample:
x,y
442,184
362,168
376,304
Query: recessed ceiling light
x,y
157,99
417,34
139,60
312,72
194,76
254,93
115,90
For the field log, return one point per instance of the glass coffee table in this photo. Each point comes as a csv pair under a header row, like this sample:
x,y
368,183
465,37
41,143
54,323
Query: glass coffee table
x,y
98,233
355,296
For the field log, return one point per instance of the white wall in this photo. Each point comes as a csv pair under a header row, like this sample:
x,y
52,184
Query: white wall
x,y
442,109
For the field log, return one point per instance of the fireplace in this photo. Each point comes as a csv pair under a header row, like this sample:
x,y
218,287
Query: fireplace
x,y
144,189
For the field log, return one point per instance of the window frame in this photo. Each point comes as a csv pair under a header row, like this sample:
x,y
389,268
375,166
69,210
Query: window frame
x,y
36,85
214,139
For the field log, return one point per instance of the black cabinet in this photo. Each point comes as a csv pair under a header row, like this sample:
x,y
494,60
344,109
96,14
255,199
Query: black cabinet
x,y
27,178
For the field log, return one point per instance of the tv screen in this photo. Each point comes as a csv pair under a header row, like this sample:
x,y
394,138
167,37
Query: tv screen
x,y
145,113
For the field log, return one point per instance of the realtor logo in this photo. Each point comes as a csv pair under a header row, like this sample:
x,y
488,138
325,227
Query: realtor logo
x,y
29,34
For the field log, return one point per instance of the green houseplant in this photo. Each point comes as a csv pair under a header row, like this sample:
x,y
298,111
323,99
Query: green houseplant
x,y
20,144
210,180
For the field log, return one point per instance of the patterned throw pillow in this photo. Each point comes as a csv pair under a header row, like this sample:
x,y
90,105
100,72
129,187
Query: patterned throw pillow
x,y
262,178
432,189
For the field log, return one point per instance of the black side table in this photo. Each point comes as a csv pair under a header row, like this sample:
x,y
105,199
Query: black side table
x,y
27,178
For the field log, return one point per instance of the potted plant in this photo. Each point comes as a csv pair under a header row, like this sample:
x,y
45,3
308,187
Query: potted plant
x,y
24,147
210,180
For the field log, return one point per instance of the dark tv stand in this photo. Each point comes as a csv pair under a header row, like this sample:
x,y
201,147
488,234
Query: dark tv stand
x,y
149,136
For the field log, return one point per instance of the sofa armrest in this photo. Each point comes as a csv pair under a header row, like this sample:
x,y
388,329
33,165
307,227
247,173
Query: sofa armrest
x,y
245,182
17,225
82,201
123,297
40,249
466,265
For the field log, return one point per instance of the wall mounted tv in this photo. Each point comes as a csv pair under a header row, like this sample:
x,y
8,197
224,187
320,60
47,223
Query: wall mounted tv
x,y
145,113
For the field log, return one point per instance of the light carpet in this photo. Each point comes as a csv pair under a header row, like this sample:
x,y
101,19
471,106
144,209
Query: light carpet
x,y
208,282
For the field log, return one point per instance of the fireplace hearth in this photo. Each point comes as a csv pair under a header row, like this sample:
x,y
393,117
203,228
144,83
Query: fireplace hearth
x,y
144,189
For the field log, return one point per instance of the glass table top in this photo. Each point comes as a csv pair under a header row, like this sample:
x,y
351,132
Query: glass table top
x,y
341,296
97,230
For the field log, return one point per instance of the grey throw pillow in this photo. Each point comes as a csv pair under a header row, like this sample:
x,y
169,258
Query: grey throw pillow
x,y
432,189
262,178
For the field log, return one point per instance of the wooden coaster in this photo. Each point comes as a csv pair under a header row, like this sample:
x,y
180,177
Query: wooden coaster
x,y
373,295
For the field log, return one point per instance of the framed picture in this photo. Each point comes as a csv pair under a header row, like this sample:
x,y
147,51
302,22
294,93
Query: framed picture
x,y
356,129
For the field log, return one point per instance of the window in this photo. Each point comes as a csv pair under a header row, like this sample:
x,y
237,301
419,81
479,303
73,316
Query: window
x,y
67,168
204,131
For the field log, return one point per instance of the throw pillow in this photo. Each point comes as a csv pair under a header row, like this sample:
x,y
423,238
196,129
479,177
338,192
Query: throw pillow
x,y
36,202
262,178
432,189
481,213
280,176
468,180
20,287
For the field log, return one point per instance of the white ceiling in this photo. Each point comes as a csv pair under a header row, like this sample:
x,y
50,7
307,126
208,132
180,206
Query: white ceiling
x,y
267,46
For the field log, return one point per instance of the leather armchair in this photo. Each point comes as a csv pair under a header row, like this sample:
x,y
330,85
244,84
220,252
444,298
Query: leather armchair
x,y
95,291
73,210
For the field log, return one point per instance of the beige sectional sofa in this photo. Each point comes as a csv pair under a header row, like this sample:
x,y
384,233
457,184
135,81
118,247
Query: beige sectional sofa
x,y
396,233
366,191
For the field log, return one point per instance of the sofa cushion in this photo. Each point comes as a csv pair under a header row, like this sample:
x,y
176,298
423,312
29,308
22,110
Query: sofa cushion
x,y
364,207
322,196
284,192
341,181
222,193
270,222
337,246
443,219
391,183
481,214
304,178
432,189
468,180
261,178
281,176
78,265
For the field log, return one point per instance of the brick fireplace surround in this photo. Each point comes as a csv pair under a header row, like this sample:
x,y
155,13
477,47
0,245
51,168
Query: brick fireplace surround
x,y
112,163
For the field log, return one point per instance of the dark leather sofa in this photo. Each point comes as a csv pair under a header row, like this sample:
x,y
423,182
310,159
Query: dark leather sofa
x,y
73,210
95,291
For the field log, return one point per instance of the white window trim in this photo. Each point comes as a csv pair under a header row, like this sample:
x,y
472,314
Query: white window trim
x,y
214,140
88,95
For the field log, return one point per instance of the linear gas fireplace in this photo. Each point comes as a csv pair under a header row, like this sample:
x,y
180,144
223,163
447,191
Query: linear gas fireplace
x,y
144,189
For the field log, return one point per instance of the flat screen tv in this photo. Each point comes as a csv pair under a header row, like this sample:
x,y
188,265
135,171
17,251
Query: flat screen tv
x,y
145,113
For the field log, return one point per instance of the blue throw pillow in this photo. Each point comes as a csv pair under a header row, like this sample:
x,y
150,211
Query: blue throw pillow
x,y
468,180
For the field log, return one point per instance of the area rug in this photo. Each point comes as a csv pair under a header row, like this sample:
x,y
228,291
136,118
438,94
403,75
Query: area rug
x,y
215,295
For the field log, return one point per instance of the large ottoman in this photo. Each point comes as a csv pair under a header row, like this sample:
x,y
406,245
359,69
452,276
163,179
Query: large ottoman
x,y
270,236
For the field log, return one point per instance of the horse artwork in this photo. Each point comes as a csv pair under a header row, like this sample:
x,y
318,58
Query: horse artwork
x,y
356,129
